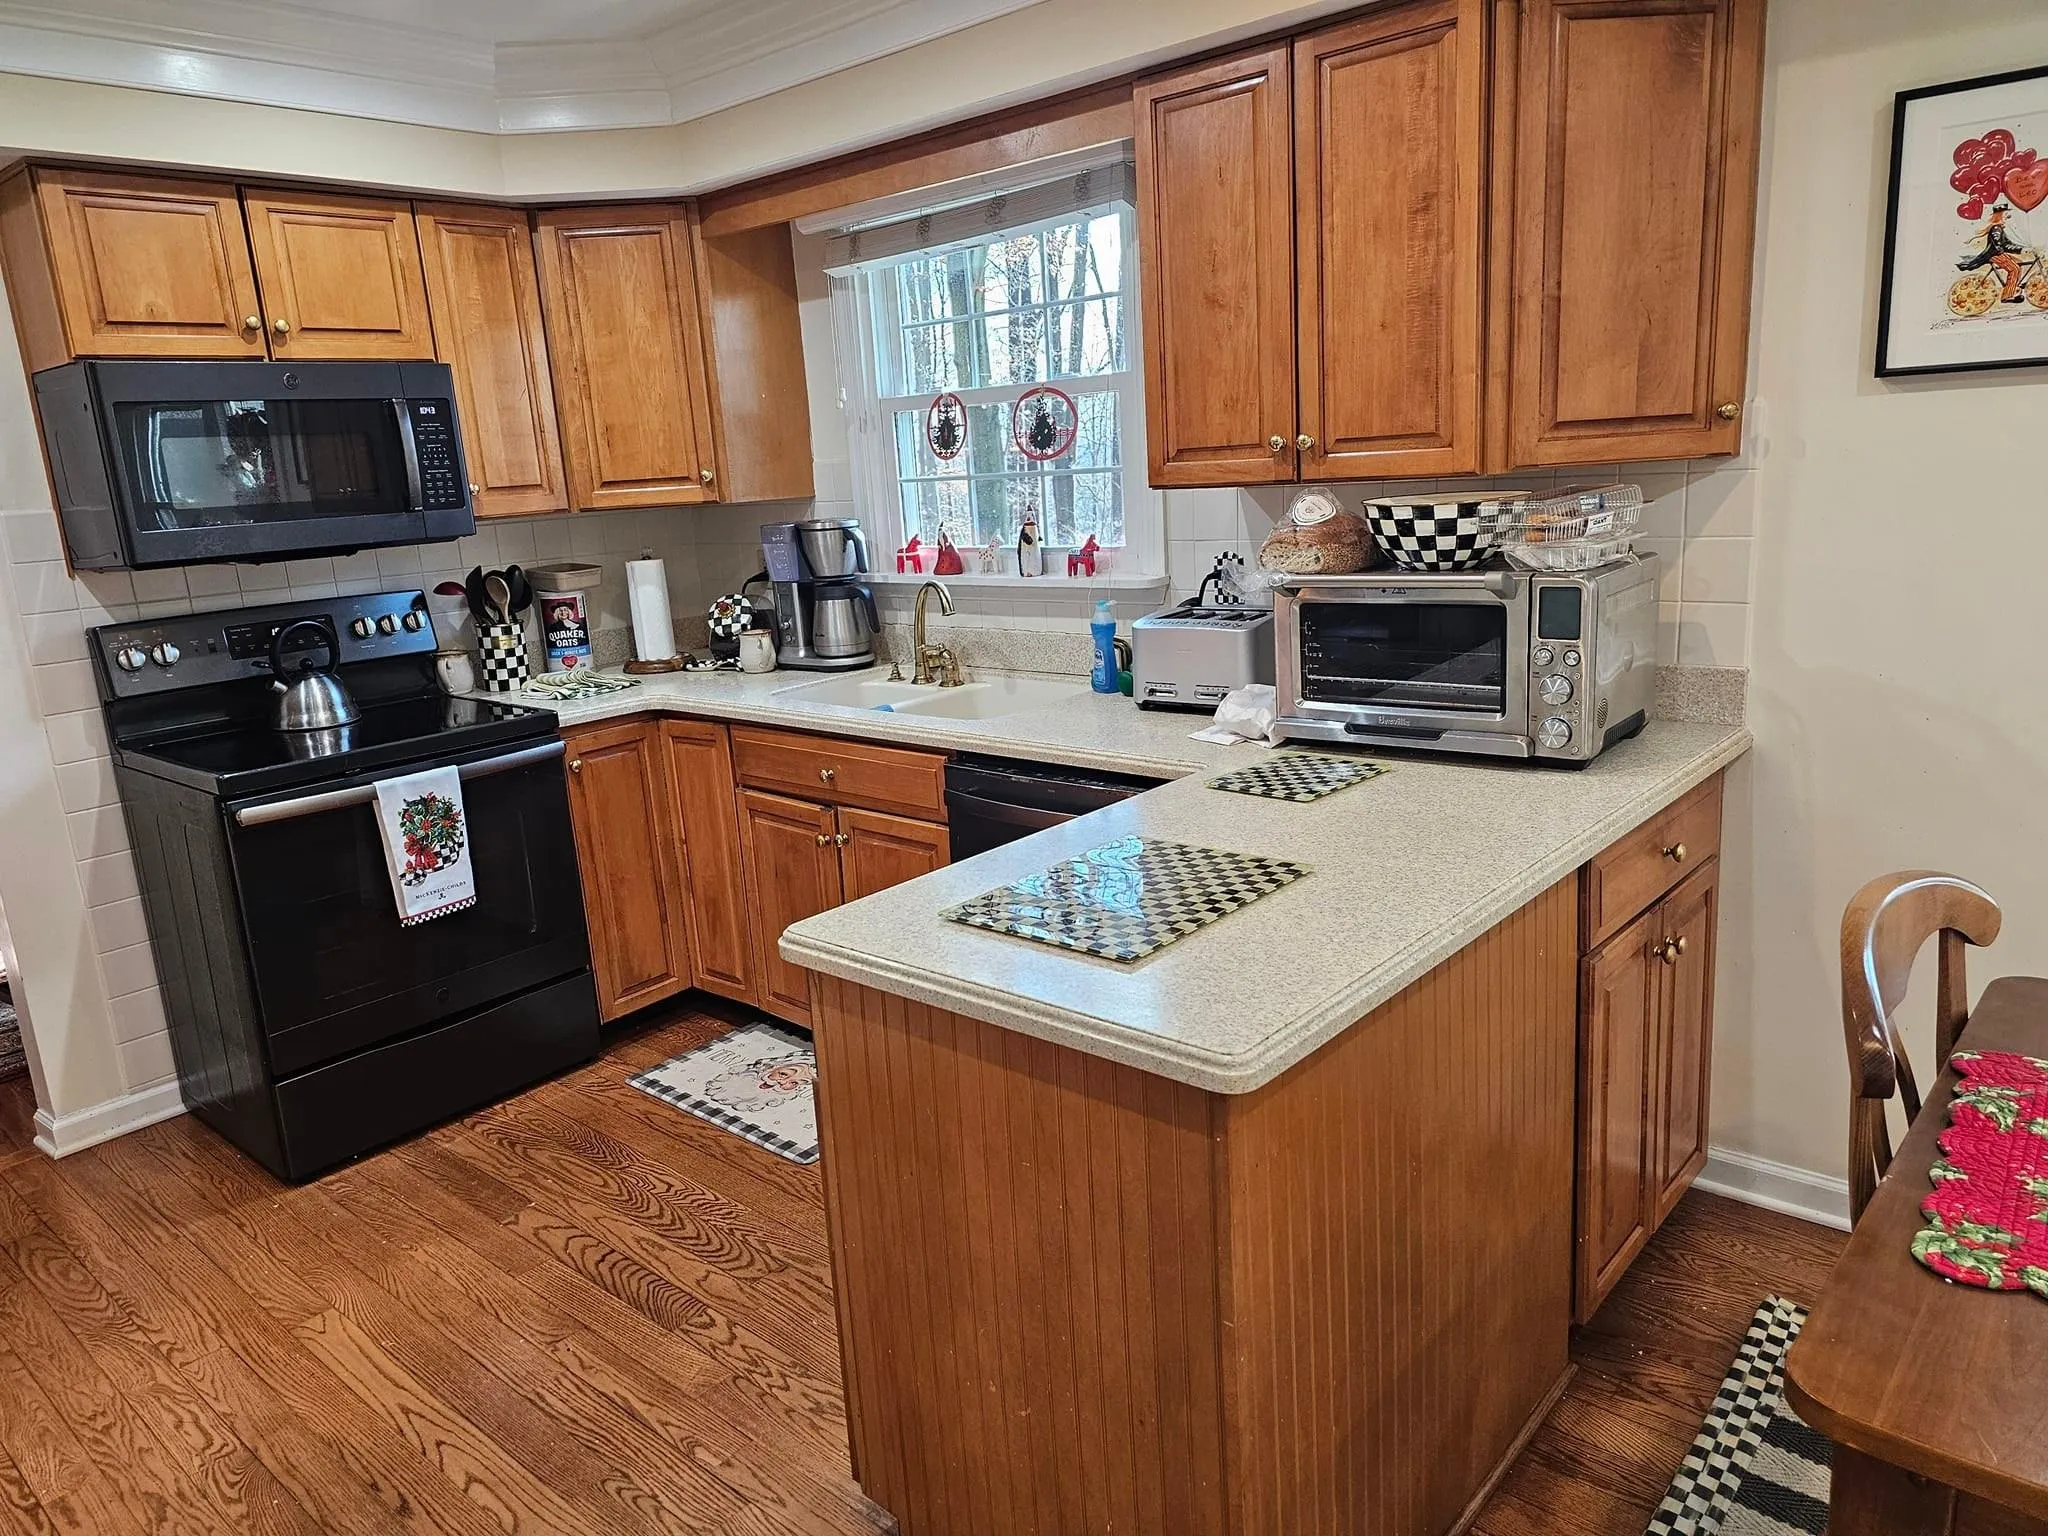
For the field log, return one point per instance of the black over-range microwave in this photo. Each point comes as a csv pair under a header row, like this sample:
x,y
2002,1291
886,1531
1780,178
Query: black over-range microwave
x,y
177,463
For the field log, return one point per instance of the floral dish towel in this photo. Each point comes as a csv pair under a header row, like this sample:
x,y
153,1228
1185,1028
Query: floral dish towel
x,y
1987,1219
426,844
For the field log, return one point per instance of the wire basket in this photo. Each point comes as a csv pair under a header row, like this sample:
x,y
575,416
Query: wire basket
x,y
1575,530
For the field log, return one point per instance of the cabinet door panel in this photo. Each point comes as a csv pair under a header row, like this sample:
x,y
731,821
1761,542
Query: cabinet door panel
x,y
1618,996
1635,195
1215,234
1690,916
1389,240
484,294
619,287
149,268
792,873
876,851
707,810
341,274
618,794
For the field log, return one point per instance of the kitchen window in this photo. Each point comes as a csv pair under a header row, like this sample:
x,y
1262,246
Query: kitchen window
x,y
983,303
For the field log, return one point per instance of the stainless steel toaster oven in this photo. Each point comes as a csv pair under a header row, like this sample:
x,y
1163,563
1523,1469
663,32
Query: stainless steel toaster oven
x,y
1501,662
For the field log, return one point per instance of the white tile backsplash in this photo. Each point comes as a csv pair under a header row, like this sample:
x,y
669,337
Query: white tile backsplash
x,y
1716,571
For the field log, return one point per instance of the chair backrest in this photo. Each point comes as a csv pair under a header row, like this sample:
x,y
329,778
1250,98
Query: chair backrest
x,y
1883,930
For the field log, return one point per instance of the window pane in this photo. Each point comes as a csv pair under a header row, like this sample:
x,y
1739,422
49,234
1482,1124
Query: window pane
x,y
1085,258
931,505
1087,338
1012,273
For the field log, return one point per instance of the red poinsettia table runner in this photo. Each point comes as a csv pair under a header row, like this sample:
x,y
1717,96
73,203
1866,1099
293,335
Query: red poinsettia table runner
x,y
1987,1219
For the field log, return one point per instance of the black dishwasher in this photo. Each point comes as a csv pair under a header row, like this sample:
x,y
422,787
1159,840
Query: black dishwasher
x,y
992,800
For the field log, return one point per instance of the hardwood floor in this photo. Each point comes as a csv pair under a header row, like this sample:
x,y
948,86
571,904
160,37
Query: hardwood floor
x,y
584,1311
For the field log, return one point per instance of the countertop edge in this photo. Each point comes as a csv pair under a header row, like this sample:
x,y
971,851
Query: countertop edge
x,y
1291,1042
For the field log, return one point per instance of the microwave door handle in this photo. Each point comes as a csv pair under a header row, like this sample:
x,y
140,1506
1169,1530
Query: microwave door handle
x,y
407,445
365,794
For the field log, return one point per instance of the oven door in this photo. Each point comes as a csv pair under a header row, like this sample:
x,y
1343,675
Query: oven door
x,y
335,972
1435,662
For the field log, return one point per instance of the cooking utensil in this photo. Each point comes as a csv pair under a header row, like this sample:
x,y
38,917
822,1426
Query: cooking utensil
x,y
499,591
309,697
451,589
522,589
473,589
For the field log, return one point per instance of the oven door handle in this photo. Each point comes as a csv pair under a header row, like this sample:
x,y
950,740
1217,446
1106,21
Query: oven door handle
x,y
409,446
364,794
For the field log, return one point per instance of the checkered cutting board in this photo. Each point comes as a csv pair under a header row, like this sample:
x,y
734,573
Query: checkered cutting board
x,y
1298,776
1127,899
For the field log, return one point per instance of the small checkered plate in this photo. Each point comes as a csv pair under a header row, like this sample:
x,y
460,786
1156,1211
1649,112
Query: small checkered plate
x,y
1298,776
1128,899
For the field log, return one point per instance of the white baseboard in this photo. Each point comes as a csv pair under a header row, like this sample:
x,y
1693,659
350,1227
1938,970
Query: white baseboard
x,y
62,1135
1815,1197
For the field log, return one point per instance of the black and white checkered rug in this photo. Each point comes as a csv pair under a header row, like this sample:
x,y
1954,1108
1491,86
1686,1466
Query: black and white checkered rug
x,y
756,1081
1755,1469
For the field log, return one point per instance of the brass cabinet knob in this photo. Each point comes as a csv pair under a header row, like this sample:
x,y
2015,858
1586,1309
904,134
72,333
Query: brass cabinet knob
x,y
704,475
282,327
1667,952
1277,443
1678,944
1304,442
575,765
1729,410
828,774
474,488
1675,853
252,322
824,838
841,839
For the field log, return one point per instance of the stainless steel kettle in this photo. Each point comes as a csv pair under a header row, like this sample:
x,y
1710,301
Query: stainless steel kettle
x,y
309,697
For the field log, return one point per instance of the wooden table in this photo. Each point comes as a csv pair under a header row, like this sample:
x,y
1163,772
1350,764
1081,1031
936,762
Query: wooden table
x,y
1936,1395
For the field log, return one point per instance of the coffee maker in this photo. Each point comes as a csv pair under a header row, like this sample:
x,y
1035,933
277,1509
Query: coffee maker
x,y
825,619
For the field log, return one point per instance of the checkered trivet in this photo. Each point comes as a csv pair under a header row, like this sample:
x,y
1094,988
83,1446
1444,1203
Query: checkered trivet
x,y
1298,776
1127,899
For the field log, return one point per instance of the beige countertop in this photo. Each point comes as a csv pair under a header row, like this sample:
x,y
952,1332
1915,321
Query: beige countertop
x,y
1406,870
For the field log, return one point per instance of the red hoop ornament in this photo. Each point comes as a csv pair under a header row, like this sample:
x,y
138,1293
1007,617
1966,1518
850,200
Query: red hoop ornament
x,y
1038,434
945,427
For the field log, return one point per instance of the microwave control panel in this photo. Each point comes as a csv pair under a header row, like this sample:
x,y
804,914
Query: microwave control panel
x,y
433,436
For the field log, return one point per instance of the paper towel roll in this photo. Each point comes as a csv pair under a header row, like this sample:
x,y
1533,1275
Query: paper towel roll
x,y
654,633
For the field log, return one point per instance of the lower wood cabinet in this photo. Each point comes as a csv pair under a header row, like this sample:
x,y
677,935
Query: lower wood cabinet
x,y
792,874
633,892
706,814
876,851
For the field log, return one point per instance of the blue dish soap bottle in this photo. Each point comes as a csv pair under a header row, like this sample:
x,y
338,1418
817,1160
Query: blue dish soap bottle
x,y
1103,678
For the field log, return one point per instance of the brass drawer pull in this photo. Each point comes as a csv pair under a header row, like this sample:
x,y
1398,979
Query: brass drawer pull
x,y
1675,853
828,774
575,765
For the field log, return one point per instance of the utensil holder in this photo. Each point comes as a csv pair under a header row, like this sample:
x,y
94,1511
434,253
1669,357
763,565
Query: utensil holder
x,y
501,657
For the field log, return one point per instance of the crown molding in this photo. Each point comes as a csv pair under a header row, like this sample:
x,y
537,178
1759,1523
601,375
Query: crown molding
x,y
276,53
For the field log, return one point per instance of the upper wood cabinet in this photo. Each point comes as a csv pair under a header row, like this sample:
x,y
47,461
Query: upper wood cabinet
x,y
484,295
760,416
127,266
1390,241
1635,210
340,276
1216,253
621,294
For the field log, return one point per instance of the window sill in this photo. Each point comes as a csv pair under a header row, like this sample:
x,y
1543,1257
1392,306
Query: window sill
x,y
1110,581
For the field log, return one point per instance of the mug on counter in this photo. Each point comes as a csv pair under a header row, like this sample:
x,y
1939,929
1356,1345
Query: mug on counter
x,y
455,669
757,651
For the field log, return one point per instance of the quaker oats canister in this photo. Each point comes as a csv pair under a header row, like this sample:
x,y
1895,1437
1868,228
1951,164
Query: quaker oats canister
x,y
564,594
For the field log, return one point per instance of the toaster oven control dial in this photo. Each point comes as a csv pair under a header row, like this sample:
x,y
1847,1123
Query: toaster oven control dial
x,y
1554,689
1554,734
1571,658
1542,655
131,658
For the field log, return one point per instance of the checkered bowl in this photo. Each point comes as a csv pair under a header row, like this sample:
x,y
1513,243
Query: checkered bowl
x,y
1436,535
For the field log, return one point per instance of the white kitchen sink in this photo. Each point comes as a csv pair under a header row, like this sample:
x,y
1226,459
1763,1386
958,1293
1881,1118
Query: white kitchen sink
x,y
983,699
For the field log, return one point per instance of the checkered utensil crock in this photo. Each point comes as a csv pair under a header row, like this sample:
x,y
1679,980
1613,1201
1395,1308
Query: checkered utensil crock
x,y
501,657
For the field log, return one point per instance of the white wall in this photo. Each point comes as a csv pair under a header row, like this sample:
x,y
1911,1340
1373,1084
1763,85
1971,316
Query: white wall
x,y
1897,682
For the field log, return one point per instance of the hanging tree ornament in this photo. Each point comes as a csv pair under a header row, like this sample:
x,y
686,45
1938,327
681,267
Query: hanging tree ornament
x,y
1043,422
945,427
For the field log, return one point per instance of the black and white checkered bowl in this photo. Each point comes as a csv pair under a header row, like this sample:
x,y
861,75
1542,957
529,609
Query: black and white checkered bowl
x,y
1435,535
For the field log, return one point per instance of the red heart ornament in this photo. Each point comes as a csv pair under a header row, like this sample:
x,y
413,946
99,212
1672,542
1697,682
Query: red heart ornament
x,y
1970,210
2027,185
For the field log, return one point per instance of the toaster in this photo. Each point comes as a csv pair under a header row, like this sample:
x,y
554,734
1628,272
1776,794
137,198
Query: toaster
x,y
1190,656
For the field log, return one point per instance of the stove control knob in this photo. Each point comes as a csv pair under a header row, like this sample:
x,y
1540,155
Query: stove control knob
x,y
413,622
1554,734
387,625
131,658
1555,689
164,654
1542,655
362,629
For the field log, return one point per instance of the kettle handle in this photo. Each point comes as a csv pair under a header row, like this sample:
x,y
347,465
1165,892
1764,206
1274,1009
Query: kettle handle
x,y
867,597
277,646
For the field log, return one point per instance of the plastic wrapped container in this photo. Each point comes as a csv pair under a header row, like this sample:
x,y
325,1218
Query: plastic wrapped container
x,y
1575,530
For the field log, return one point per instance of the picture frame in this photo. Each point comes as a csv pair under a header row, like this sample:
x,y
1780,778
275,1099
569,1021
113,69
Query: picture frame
x,y
1965,285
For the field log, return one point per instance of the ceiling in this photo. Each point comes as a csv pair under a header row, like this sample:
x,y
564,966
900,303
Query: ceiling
x,y
494,66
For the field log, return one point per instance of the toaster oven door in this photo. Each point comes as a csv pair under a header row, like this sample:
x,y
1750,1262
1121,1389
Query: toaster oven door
x,y
1409,662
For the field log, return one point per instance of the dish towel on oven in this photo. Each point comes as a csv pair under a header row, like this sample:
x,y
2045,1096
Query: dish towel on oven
x,y
426,844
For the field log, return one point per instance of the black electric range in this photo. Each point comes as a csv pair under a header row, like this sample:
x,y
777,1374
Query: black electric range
x,y
308,1025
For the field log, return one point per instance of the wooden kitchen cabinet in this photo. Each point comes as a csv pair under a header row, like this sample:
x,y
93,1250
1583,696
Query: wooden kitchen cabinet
x,y
340,276
1685,1056
876,851
620,293
483,292
1635,165
792,873
1216,247
1389,250
633,893
706,812
127,266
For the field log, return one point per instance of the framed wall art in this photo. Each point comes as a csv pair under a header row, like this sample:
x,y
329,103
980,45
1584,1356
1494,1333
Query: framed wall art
x,y
1966,228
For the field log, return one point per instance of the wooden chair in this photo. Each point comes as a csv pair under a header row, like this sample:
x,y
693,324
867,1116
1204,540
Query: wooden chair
x,y
1882,933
